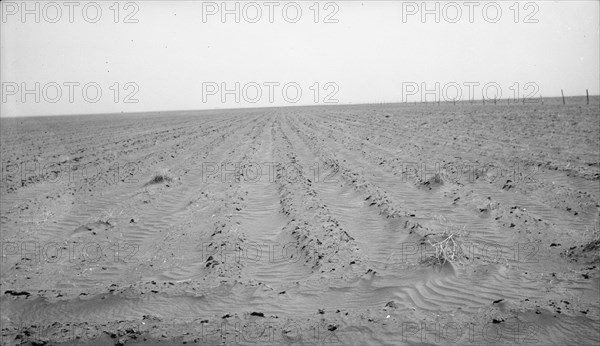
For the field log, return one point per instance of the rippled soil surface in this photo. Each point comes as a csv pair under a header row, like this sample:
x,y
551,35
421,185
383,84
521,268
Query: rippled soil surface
x,y
309,225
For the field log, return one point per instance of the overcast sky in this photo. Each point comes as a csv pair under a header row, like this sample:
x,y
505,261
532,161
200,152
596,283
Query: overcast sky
x,y
179,55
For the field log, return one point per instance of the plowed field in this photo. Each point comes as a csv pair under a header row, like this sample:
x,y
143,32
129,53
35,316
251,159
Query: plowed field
x,y
308,225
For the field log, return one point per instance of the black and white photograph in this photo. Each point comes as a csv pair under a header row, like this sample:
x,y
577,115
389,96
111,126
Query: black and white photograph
x,y
307,172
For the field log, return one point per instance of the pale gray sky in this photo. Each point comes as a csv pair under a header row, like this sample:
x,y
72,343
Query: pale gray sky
x,y
373,51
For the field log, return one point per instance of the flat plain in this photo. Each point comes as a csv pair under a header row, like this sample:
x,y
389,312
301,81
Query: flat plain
x,y
304,225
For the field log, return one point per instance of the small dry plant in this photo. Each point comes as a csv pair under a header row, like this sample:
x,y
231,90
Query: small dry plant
x,y
449,245
41,218
109,216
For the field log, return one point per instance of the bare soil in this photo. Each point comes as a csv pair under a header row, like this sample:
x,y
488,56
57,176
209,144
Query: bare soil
x,y
308,225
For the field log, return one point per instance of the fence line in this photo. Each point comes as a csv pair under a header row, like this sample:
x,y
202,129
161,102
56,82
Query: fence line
x,y
495,100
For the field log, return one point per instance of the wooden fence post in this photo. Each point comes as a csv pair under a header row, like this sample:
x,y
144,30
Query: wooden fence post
x,y
587,96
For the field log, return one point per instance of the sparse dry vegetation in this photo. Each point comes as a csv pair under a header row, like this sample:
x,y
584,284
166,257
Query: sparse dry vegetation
x,y
449,245
449,248
109,216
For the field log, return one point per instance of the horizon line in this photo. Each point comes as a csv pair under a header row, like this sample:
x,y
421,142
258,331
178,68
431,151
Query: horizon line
x,y
287,106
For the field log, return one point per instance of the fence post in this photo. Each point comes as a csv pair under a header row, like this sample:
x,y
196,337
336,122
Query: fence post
x,y
563,96
587,96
